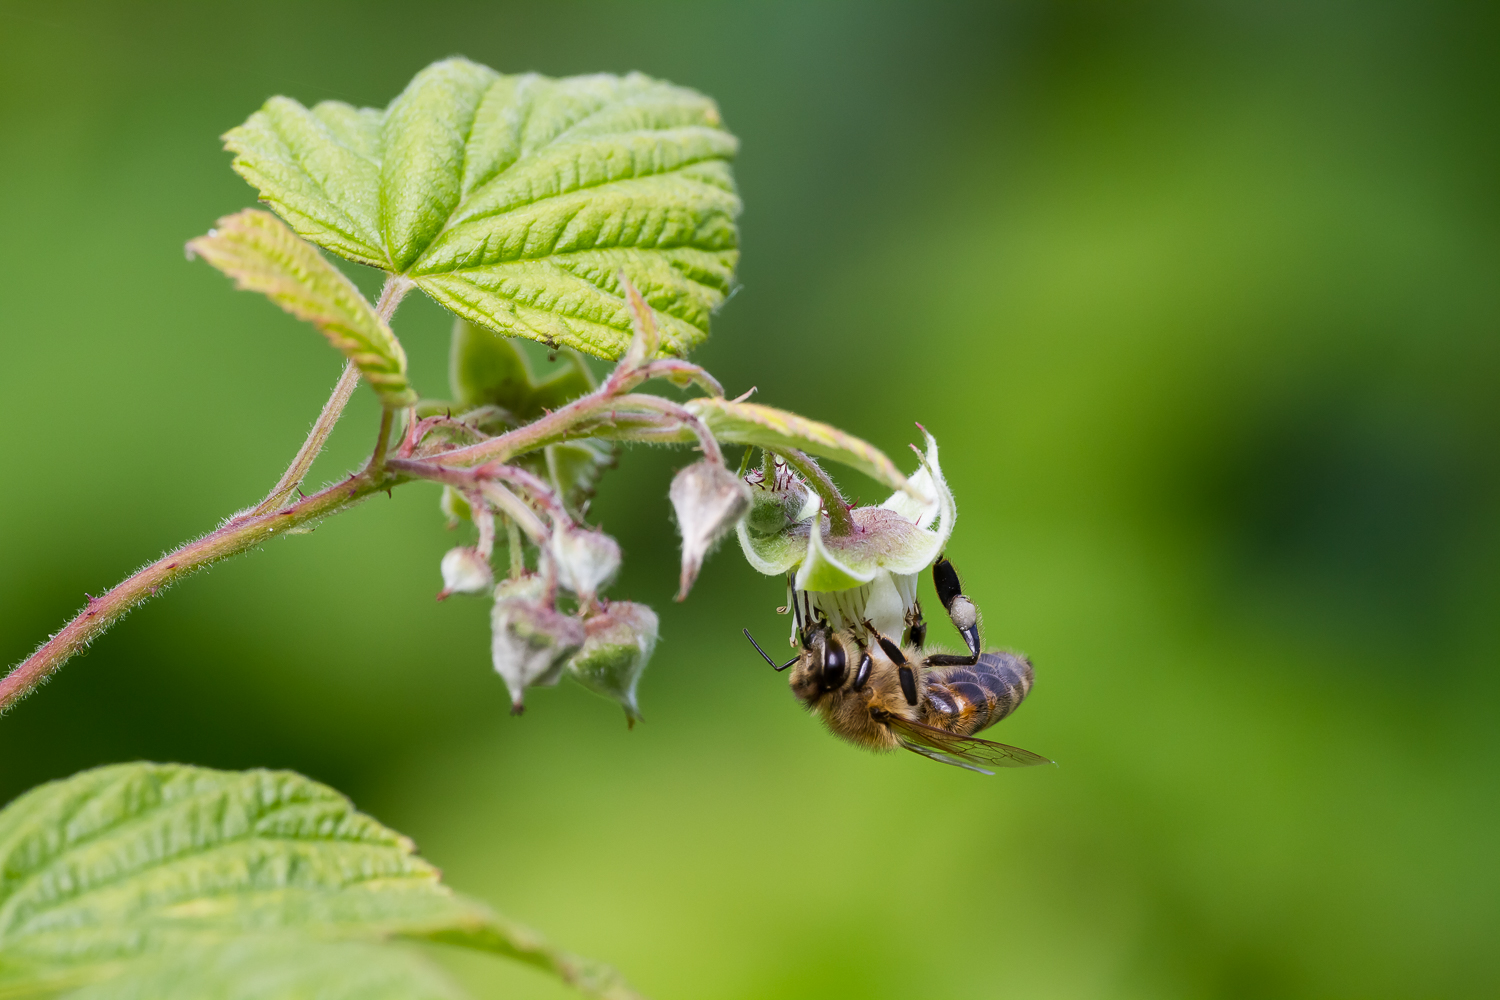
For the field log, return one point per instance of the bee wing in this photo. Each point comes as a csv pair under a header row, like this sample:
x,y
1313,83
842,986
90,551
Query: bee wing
x,y
961,751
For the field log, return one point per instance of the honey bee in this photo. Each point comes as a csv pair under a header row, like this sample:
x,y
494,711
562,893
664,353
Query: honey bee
x,y
881,695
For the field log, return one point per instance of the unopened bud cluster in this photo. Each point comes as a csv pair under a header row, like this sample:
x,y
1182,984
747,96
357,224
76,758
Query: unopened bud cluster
x,y
604,645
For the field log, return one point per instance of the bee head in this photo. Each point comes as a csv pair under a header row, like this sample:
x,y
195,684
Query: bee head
x,y
823,667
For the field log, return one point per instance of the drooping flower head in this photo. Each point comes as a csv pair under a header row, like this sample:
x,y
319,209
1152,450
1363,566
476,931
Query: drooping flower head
x,y
586,559
530,640
708,500
619,643
868,575
465,571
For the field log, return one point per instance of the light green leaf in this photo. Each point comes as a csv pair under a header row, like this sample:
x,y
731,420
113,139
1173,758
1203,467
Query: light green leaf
x,y
262,255
773,429
140,874
517,201
279,967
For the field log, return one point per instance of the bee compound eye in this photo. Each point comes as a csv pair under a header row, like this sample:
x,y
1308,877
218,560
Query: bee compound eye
x,y
835,664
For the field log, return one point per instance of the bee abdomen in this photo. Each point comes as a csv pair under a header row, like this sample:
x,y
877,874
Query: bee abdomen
x,y
964,700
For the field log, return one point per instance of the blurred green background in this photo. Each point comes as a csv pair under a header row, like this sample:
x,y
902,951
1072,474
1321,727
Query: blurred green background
x,y
1201,301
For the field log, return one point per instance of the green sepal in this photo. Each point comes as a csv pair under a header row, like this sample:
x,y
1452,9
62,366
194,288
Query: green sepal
x,y
454,507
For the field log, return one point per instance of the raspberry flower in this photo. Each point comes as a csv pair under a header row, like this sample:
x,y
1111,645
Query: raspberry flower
x,y
865,573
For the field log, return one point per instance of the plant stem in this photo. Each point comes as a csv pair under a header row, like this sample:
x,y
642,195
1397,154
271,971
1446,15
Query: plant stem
x,y
676,411
231,539
513,543
316,438
391,294
382,440
593,413
839,521
552,428
468,480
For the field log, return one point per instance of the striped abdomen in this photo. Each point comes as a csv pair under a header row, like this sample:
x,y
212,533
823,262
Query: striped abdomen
x,y
964,700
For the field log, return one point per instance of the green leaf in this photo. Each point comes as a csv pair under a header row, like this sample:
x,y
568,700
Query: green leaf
x,y
517,201
750,423
262,255
163,880
271,967
486,369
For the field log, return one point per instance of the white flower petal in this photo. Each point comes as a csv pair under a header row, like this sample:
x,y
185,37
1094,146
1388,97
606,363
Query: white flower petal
x,y
884,608
929,479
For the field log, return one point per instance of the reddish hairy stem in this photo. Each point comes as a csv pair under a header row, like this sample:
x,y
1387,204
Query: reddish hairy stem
x,y
391,294
840,522
263,522
231,539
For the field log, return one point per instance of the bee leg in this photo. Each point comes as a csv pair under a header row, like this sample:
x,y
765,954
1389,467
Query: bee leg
x,y
862,675
961,611
904,672
916,626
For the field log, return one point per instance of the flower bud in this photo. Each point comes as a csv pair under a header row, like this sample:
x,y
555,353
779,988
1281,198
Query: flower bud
x,y
614,655
709,500
465,571
586,560
776,500
530,641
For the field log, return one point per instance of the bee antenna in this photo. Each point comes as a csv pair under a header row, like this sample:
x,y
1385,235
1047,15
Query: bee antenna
x,y
763,656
